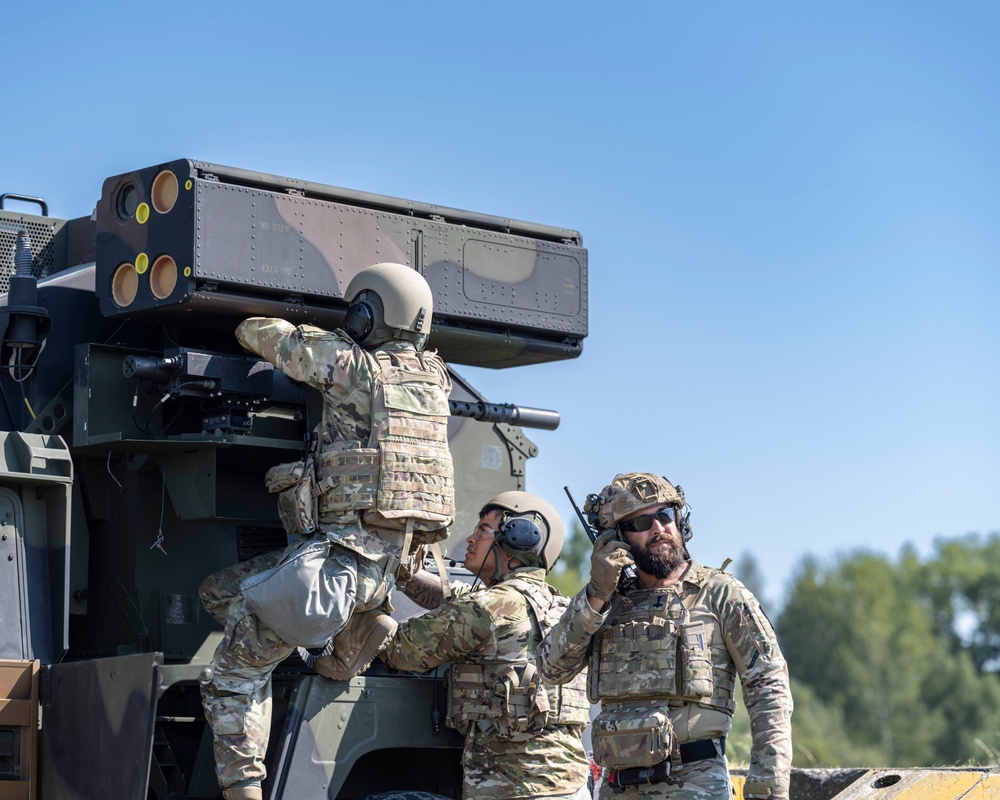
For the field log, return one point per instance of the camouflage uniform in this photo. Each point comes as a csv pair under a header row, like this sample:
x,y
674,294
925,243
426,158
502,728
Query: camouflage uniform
x,y
638,664
491,622
237,702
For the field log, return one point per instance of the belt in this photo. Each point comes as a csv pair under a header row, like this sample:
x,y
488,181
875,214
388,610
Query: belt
x,y
690,751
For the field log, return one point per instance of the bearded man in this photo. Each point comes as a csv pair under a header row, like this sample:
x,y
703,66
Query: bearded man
x,y
664,649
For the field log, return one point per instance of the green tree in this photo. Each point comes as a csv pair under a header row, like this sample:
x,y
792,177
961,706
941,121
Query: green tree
x,y
748,570
572,570
820,738
959,585
875,657
962,584
859,639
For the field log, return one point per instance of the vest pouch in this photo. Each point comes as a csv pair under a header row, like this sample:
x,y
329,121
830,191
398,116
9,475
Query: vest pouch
x,y
284,476
347,478
624,739
696,661
297,504
468,697
522,705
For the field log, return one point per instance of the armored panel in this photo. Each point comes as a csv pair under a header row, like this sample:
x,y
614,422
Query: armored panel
x,y
207,241
341,735
93,709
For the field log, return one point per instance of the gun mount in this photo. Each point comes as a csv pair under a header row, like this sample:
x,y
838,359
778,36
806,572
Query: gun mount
x,y
234,382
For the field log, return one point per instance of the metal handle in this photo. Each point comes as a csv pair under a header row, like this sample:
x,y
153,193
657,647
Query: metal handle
x,y
26,199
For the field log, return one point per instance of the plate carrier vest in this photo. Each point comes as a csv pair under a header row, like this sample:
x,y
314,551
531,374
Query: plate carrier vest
x,y
499,687
403,476
652,650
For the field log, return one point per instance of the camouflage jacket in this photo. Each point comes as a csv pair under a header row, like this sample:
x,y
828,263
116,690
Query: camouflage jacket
x,y
472,622
344,374
741,640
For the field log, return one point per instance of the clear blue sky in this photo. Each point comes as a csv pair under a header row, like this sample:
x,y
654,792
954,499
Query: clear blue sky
x,y
792,213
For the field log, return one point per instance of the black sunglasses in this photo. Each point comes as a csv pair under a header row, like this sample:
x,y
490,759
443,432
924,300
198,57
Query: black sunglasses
x,y
645,521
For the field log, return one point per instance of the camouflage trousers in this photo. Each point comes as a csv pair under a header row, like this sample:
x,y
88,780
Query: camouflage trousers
x,y
707,779
237,701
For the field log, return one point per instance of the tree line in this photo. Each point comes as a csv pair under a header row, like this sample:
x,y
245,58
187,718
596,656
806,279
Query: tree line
x,y
893,661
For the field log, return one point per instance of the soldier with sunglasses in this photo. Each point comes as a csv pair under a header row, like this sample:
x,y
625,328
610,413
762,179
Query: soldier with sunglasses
x,y
664,649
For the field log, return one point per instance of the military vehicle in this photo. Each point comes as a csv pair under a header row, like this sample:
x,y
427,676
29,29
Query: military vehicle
x,y
134,437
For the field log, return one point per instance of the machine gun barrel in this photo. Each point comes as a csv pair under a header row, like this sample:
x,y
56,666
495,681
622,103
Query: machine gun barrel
x,y
195,372
506,412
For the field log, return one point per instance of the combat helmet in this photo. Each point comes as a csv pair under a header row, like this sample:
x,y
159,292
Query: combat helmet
x,y
388,301
633,492
531,530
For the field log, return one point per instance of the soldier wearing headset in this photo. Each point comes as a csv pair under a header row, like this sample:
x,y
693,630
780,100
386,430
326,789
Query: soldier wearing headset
x,y
664,651
522,735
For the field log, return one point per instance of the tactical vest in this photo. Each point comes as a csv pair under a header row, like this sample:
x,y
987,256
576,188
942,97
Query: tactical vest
x,y
652,649
403,475
498,686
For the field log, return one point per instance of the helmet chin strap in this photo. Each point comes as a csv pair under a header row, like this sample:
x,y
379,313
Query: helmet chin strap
x,y
495,549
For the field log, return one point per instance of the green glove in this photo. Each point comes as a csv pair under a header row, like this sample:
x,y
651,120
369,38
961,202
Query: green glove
x,y
609,558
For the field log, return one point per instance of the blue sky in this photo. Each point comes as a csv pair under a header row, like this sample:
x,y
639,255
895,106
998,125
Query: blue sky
x,y
791,212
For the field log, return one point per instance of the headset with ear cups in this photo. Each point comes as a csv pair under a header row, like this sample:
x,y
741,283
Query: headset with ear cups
x,y
684,518
360,320
515,534
519,532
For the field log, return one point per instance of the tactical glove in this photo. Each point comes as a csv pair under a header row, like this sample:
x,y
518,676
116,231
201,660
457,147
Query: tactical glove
x,y
609,558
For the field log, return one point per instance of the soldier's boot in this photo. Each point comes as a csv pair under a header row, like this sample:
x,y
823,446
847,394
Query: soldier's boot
x,y
357,644
254,792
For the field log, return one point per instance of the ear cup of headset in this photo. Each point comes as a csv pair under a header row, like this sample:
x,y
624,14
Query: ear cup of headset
x,y
684,523
359,322
520,533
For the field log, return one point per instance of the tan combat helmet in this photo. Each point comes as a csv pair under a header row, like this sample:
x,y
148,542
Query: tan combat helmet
x,y
633,492
388,301
531,531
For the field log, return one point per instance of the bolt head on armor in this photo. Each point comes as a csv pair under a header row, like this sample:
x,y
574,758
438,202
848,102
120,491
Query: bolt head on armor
x,y
632,492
